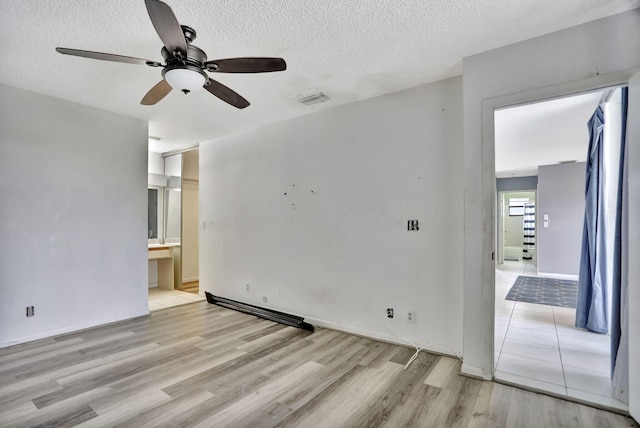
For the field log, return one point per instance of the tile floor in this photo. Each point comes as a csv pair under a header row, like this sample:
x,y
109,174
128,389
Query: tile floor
x,y
537,346
159,298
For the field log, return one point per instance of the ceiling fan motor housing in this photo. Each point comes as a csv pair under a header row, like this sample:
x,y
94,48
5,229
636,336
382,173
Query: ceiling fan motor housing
x,y
193,63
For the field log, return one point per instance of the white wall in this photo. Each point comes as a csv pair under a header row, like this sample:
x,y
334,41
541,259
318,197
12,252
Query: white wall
x,y
155,163
73,185
561,197
173,165
592,55
312,212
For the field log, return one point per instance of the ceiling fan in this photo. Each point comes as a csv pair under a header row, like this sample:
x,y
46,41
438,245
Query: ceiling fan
x,y
186,64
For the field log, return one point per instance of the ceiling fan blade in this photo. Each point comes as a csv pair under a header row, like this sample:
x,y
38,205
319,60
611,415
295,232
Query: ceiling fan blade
x,y
167,27
105,56
246,65
226,94
155,94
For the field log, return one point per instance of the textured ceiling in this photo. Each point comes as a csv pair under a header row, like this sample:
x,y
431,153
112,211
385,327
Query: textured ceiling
x,y
348,49
543,133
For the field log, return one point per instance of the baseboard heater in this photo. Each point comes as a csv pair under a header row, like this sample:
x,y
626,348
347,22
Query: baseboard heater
x,y
268,314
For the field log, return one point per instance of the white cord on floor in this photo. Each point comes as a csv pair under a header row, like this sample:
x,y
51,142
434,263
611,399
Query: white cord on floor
x,y
415,355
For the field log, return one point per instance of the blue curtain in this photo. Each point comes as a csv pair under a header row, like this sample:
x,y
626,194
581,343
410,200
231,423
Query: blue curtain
x,y
591,311
619,282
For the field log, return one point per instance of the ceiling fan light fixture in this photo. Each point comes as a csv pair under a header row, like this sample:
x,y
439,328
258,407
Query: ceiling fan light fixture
x,y
184,79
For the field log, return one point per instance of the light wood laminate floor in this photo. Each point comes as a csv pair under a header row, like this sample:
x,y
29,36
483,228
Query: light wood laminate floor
x,y
202,365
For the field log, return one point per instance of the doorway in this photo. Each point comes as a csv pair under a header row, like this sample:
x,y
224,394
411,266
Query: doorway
x,y
174,252
190,222
516,226
536,343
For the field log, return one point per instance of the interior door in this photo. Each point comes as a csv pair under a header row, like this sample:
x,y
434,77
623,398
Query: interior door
x,y
633,133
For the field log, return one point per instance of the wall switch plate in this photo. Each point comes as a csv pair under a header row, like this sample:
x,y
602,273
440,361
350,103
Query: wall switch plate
x,y
412,225
389,312
247,287
30,311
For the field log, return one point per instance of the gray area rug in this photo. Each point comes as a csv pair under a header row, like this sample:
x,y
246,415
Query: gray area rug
x,y
545,291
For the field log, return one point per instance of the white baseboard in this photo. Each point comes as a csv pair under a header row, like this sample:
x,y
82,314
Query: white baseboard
x,y
476,372
70,329
434,348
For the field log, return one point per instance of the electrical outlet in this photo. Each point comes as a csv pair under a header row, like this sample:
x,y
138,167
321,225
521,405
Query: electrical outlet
x,y
411,316
389,312
30,311
247,287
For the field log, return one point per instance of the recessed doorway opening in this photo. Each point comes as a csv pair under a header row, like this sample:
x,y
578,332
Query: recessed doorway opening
x,y
541,149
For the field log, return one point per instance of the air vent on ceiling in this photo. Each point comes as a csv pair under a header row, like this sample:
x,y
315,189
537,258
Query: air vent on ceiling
x,y
313,98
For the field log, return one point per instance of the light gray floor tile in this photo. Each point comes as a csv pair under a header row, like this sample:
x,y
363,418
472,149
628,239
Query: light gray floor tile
x,y
586,361
529,367
599,399
528,382
533,307
585,344
533,336
160,298
546,317
539,326
532,350
592,382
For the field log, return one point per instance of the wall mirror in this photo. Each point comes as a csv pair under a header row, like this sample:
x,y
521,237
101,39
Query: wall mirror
x,y
173,211
154,217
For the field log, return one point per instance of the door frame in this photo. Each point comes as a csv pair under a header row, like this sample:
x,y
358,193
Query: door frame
x,y
633,241
489,197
